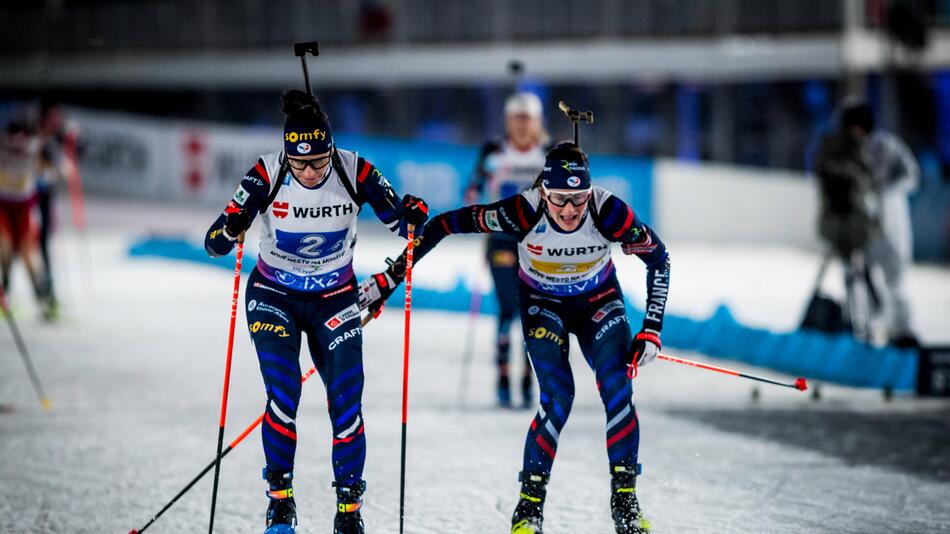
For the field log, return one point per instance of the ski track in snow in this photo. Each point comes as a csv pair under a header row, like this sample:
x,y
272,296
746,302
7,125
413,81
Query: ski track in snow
x,y
135,367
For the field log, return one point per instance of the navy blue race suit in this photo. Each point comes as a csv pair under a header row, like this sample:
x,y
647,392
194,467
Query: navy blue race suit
x,y
303,283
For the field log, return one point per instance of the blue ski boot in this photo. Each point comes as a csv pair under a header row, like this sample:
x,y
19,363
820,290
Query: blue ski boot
x,y
348,503
529,514
624,508
282,511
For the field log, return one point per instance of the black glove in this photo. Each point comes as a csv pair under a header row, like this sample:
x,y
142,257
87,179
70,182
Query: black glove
x,y
237,221
415,211
377,288
644,348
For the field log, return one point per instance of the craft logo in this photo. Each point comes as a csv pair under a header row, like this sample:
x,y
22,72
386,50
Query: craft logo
x,y
251,305
343,316
537,250
316,135
349,334
277,330
610,324
303,148
280,209
573,181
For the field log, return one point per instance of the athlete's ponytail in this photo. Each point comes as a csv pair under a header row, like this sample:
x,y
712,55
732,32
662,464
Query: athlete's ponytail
x,y
297,104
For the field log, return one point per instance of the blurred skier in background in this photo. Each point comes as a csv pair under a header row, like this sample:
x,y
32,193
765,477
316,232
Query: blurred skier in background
x,y
51,174
866,174
506,167
20,153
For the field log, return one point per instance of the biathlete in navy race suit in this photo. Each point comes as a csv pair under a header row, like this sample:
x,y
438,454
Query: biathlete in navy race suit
x,y
505,168
565,227
304,284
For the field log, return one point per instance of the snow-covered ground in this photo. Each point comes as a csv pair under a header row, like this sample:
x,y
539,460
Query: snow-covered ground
x,y
134,369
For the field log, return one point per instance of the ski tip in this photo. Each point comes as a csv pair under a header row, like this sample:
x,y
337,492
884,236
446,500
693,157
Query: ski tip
x,y
47,404
800,384
133,531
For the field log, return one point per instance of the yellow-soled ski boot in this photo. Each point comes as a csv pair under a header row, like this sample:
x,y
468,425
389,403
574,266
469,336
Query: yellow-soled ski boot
x,y
529,514
349,500
624,507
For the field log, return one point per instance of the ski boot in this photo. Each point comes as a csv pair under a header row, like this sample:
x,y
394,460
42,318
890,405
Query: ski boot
x,y
49,308
528,514
348,503
282,511
624,508
504,391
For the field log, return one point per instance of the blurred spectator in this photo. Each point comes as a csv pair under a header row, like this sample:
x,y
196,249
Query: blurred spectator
x,y
50,173
19,163
865,175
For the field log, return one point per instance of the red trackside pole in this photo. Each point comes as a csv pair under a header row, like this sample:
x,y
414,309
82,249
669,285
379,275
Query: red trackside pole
x,y
74,178
239,256
207,468
405,377
799,383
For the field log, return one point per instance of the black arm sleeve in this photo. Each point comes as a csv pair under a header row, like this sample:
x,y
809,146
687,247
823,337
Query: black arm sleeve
x,y
617,221
250,195
513,216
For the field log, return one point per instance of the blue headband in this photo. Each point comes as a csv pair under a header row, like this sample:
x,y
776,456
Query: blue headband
x,y
565,174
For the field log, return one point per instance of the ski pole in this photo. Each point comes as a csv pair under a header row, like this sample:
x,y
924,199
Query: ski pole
x,y
799,383
208,467
474,306
405,377
227,375
18,339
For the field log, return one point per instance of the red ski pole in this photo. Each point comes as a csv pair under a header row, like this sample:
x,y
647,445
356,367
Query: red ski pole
x,y
799,383
405,377
227,375
207,468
